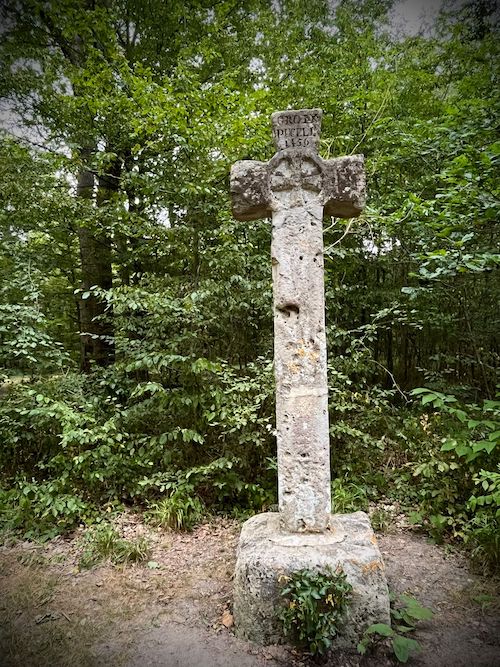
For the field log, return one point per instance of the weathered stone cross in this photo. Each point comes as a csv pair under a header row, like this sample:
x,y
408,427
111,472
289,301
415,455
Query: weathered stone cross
x,y
297,187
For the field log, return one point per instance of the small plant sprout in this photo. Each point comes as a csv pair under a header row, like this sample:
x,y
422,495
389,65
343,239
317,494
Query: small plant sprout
x,y
404,617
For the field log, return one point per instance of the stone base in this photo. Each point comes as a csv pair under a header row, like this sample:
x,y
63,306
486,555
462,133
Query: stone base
x,y
265,553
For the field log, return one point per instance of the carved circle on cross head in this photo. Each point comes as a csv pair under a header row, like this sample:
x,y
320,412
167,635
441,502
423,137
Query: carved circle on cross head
x,y
295,178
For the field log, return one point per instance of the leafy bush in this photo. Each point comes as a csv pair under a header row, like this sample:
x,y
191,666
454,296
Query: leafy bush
x,y
482,534
74,443
26,343
40,509
316,605
455,470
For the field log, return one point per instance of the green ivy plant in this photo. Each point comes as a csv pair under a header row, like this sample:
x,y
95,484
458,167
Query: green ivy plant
x,y
404,619
315,607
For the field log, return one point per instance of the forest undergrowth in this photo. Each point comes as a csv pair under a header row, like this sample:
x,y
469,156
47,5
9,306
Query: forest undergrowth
x,y
73,456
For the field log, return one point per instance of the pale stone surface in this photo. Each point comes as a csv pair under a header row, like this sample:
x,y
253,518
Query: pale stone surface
x,y
300,346
342,194
266,552
250,190
345,186
295,187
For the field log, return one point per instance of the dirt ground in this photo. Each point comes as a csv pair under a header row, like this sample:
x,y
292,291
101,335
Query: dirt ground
x,y
176,610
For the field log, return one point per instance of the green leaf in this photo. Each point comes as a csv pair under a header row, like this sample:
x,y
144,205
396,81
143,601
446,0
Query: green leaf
x,y
380,629
152,565
428,398
449,445
415,609
415,517
484,445
419,613
361,647
403,646
405,628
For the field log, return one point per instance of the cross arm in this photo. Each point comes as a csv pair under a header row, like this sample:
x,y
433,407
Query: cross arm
x,y
344,186
249,185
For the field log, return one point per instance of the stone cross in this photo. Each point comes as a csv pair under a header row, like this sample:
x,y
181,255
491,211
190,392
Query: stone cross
x,y
296,187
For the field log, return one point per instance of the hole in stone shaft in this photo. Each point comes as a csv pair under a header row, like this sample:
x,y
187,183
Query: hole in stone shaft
x,y
288,308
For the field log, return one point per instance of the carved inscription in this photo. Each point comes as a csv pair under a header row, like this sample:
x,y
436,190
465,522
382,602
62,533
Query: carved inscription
x,y
294,137
297,129
296,118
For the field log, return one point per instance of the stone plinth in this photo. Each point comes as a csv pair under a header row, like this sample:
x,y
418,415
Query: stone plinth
x,y
265,553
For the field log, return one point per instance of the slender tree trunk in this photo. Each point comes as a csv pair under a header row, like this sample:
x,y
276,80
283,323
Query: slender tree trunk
x,y
96,329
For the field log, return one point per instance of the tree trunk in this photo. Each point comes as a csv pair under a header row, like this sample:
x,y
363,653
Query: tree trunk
x,y
96,329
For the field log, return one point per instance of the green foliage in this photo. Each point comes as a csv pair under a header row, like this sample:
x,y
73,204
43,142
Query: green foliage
x,y
25,344
409,611
74,443
102,543
33,312
482,534
40,510
459,485
405,617
182,418
380,520
316,605
364,427
348,497
490,485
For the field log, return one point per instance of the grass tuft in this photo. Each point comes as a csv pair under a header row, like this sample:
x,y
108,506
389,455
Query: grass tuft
x,y
102,543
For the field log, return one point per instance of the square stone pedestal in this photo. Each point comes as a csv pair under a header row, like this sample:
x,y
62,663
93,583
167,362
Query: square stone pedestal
x,y
265,553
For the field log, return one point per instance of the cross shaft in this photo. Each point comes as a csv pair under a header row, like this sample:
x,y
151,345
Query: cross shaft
x,y
296,187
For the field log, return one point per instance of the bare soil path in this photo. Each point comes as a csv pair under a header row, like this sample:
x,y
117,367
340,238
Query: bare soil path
x,y
175,612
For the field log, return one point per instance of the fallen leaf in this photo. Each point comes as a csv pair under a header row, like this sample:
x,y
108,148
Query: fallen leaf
x,y
227,619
